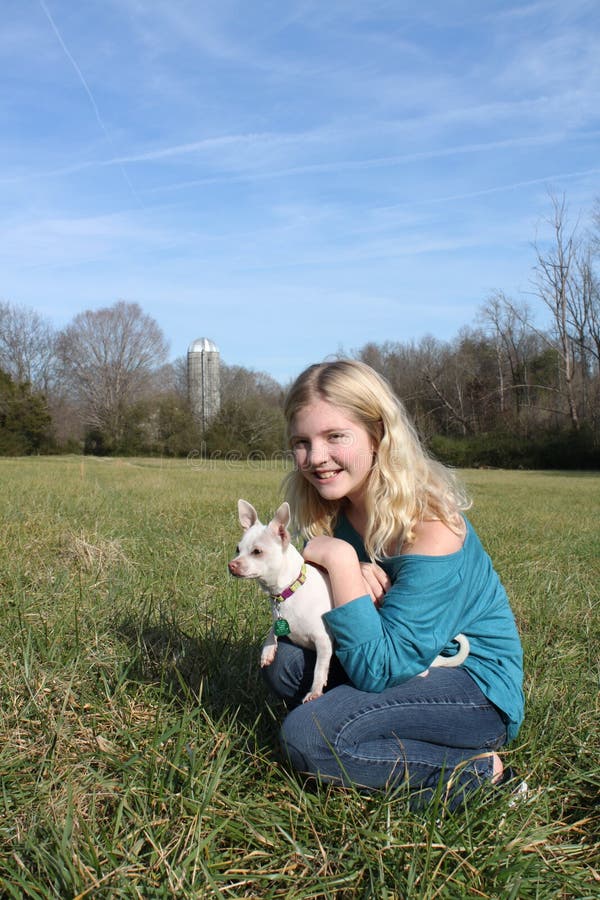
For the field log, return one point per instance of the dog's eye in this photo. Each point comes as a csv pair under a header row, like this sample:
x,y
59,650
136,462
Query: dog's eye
x,y
257,551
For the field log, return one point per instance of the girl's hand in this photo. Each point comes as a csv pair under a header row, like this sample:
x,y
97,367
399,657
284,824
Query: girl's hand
x,y
377,582
329,552
341,562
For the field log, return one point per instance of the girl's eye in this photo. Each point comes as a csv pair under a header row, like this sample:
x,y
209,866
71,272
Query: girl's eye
x,y
339,437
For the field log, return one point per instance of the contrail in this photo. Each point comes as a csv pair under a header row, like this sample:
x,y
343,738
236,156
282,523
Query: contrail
x,y
504,188
86,88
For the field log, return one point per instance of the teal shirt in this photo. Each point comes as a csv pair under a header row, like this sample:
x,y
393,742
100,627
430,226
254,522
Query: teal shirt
x,y
432,599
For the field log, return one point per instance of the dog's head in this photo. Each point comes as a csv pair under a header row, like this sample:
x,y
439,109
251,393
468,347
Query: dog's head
x,y
261,550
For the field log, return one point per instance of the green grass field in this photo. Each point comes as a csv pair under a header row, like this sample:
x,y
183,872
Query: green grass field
x,y
138,752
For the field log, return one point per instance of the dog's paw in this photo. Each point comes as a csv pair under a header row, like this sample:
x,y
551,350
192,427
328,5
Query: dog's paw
x,y
267,656
312,695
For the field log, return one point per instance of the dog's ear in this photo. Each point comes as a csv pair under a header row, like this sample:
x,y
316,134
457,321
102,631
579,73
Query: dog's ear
x,y
283,514
279,522
247,513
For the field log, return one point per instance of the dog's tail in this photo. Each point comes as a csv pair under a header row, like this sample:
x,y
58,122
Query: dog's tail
x,y
459,657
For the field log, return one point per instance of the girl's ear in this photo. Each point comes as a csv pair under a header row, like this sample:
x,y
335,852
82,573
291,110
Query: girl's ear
x,y
379,432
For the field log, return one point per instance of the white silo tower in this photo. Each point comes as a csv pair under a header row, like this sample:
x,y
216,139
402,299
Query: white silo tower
x,y
203,380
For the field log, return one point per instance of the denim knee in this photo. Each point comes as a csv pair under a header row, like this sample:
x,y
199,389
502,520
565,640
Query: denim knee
x,y
298,741
289,676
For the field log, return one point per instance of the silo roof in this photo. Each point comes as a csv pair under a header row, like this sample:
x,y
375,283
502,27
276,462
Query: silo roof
x,y
203,345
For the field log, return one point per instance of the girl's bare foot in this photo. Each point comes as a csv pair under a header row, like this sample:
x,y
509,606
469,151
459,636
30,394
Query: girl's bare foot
x,y
498,769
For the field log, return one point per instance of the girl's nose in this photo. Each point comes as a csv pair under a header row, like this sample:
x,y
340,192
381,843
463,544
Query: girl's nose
x,y
318,454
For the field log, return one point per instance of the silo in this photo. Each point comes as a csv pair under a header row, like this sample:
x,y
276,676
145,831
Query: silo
x,y
203,380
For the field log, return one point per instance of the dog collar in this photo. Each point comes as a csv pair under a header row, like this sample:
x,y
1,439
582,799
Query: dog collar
x,y
288,591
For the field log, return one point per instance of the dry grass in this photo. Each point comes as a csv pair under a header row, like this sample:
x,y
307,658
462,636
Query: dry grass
x,y
92,553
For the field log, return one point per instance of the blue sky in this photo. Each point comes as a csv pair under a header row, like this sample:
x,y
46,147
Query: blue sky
x,y
290,178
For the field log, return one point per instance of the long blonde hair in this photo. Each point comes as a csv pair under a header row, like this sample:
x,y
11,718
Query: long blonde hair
x,y
404,486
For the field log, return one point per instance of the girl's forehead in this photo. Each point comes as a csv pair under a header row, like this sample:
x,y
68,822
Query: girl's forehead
x,y
321,415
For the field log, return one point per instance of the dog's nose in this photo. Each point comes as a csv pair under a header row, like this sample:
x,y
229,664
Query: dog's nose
x,y
232,566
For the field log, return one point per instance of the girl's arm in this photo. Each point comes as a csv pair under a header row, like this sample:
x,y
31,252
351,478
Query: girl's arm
x,y
422,611
343,567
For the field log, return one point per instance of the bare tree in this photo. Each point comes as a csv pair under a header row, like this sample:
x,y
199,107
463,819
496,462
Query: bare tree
x,y
26,346
239,383
401,363
108,358
250,418
492,313
176,377
590,308
554,280
591,286
512,336
444,374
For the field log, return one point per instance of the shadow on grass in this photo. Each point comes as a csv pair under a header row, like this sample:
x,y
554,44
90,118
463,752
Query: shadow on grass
x,y
220,673
582,809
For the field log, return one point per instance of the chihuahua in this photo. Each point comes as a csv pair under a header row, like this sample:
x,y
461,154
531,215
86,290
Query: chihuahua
x,y
299,592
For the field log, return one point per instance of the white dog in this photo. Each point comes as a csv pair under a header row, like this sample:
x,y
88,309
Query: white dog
x,y
299,593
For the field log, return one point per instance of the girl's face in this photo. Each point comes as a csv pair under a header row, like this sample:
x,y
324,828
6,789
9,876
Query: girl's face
x,y
334,453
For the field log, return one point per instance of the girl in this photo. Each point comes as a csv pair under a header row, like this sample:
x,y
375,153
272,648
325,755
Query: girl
x,y
407,573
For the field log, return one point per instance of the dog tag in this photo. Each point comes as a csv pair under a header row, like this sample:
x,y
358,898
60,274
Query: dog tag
x,y
281,628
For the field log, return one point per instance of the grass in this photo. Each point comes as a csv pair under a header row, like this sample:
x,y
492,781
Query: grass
x,y
138,751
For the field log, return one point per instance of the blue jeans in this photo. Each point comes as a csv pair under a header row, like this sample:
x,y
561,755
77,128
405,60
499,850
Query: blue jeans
x,y
430,733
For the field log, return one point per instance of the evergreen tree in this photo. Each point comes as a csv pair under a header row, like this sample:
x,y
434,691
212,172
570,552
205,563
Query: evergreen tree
x,y
25,423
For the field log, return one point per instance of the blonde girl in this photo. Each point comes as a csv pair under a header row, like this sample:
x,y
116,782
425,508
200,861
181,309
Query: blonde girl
x,y
408,573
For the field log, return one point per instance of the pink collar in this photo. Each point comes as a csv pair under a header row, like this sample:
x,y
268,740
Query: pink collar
x,y
288,591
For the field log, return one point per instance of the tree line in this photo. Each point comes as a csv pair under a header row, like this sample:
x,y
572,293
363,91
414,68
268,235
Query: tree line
x,y
506,391
103,385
